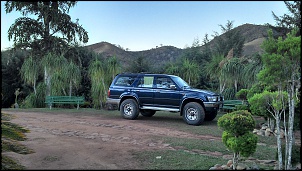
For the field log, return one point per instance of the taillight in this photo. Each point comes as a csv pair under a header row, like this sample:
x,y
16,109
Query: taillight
x,y
108,94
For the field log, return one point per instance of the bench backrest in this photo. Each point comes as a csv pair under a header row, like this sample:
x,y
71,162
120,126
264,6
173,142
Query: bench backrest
x,y
64,98
233,102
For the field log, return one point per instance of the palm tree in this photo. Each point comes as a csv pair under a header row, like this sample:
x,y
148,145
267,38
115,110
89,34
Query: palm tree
x,y
30,71
213,70
232,72
53,66
113,66
172,68
73,75
190,71
98,88
251,69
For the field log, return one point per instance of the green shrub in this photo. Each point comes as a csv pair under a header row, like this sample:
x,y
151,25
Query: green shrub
x,y
237,135
237,122
242,94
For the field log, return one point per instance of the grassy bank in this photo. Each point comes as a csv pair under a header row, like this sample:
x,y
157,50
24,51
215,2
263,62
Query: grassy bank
x,y
10,137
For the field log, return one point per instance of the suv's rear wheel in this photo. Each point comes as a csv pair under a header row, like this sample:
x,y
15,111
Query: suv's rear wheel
x,y
193,113
129,109
147,113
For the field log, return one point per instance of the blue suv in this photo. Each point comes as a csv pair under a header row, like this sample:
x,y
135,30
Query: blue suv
x,y
143,93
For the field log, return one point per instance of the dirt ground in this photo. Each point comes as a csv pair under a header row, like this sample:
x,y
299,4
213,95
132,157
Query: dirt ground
x,y
85,141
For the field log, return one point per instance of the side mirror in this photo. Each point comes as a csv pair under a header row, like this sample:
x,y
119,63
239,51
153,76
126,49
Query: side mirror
x,y
173,87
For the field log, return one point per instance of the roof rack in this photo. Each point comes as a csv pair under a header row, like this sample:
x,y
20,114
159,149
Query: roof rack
x,y
146,73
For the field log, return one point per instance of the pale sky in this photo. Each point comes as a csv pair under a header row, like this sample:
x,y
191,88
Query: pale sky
x,y
143,25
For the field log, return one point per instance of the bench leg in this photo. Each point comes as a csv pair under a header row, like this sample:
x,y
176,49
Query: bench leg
x,y
50,105
78,106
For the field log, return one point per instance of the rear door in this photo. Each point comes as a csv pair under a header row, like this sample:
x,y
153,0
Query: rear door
x,y
144,90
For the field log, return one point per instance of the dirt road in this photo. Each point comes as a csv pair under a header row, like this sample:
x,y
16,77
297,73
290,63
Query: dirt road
x,y
84,140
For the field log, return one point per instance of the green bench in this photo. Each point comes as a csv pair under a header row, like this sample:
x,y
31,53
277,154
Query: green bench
x,y
50,100
231,104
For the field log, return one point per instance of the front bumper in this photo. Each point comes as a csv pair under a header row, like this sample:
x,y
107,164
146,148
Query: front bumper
x,y
212,106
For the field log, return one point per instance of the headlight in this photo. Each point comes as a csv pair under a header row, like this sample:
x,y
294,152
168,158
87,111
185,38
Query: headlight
x,y
212,98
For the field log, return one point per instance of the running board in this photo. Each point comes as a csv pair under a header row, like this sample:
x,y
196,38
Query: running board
x,y
160,108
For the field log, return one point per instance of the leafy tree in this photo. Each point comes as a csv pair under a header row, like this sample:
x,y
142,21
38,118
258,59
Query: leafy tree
x,y
53,29
52,32
138,64
11,63
193,52
242,94
237,135
230,39
291,20
272,104
206,52
256,88
282,69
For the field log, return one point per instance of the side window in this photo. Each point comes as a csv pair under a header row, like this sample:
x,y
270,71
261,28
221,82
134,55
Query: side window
x,y
124,81
163,82
146,81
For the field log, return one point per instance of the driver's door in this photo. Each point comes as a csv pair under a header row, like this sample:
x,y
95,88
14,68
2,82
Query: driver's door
x,y
166,94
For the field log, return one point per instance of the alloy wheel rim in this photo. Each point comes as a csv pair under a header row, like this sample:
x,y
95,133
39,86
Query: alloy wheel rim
x,y
191,114
128,109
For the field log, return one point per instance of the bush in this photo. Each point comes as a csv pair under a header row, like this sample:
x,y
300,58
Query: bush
x,y
242,94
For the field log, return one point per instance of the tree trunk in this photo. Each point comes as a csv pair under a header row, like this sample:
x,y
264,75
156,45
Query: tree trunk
x,y
286,139
235,160
70,88
35,90
291,115
272,124
280,163
47,82
221,86
236,85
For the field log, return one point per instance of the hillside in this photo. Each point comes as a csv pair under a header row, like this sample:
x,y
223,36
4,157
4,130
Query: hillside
x,y
254,35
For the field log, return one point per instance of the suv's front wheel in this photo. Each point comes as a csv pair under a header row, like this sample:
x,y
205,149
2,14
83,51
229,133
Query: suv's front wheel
x,y
129,109
193,113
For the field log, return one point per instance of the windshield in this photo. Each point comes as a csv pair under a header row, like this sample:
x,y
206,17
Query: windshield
x,y
180,82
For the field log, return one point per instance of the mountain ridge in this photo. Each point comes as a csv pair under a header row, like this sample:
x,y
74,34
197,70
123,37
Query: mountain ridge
x,y
253,35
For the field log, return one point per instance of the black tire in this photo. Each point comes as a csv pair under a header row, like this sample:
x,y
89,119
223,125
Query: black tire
x,y
210,116
129,109
147,113
193,113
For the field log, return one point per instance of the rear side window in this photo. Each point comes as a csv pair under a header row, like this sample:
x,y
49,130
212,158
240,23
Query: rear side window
x,y
124,81
146,81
